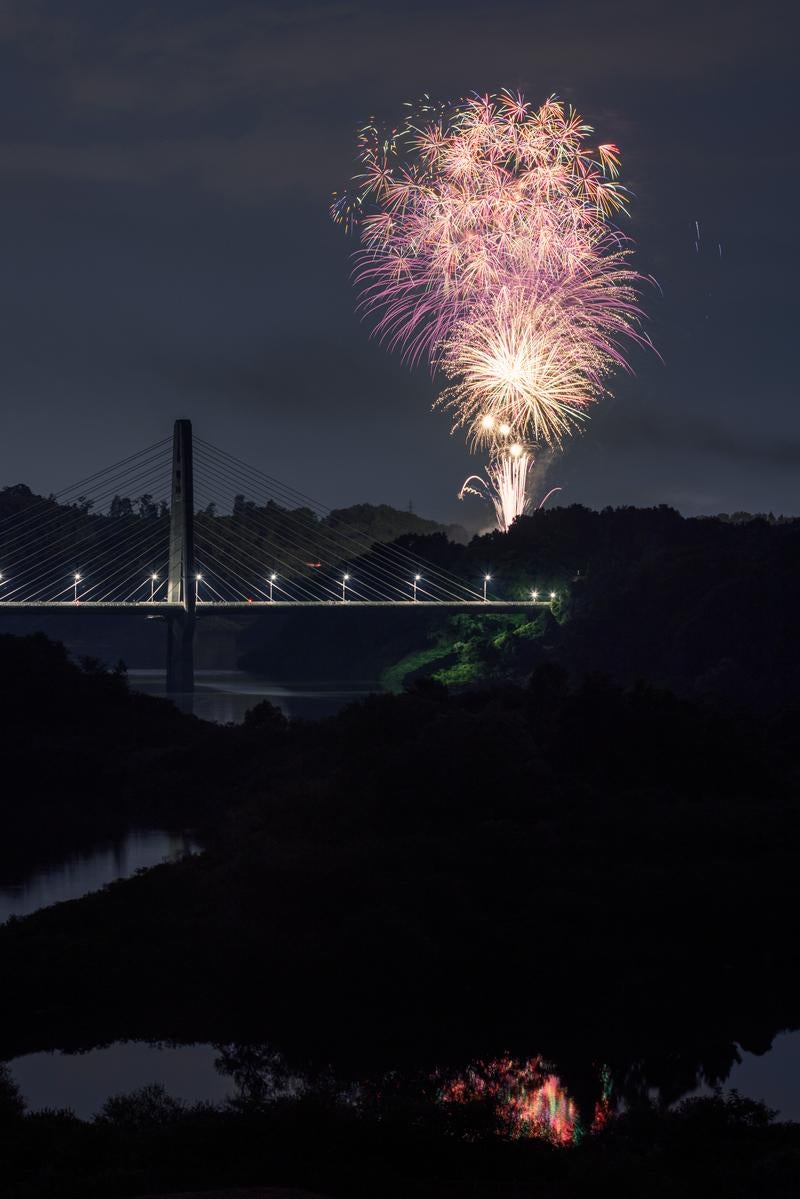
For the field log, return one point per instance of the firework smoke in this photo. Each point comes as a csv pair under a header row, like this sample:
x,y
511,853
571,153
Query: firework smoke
x,y
487,250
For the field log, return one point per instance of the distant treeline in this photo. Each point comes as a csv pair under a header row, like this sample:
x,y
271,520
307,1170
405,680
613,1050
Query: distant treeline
x,y
705,607
42,540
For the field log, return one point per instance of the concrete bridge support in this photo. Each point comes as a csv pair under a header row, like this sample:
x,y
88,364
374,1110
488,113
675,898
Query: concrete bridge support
x,y
181,578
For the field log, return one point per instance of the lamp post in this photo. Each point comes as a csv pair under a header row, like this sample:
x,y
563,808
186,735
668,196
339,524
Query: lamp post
x,y
271,583
486,581
76,578
153,581
345,580
414,584
534,595
197,581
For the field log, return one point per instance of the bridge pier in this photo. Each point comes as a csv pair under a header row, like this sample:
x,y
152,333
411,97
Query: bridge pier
x,y
180,654
181,578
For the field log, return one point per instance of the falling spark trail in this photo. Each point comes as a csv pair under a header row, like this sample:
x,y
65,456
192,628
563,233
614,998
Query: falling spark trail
x,y
552,491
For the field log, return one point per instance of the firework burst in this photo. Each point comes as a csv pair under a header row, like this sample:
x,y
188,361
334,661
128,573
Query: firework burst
x,y
487,251
519,365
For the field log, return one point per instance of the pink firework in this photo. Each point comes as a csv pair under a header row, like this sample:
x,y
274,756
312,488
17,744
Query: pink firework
x,y
487,250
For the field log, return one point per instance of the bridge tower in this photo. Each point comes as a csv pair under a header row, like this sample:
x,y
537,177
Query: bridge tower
x,y
181,578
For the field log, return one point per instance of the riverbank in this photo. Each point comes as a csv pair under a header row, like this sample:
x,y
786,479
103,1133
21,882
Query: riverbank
x,y
423,872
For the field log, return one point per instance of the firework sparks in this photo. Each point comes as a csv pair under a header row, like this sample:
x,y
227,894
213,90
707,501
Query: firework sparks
x,y
506,486
519,366
487,251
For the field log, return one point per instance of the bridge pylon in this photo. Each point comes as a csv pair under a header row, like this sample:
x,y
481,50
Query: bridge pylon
x,y
181,587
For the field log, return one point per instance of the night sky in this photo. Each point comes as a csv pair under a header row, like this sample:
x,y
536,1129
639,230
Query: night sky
x,y
167,251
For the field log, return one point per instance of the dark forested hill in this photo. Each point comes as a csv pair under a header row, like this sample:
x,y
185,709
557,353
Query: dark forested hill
x,y
704,606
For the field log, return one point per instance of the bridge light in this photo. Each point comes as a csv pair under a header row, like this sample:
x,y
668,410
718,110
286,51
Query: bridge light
x,y
414,585
197,581
486,581
345,581
76,578
153,581
534,594
271,584
552,595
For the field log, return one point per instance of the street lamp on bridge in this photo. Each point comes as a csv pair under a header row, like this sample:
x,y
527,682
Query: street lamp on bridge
x,y
197,581
271,583
153,581
345,580
76,578
416,580
486,581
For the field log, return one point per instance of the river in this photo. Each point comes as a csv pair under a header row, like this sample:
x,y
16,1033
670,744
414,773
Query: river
x,y
80,873
84,1081
224,696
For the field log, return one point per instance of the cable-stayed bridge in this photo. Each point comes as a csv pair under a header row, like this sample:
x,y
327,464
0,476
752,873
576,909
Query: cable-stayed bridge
x,y
92,548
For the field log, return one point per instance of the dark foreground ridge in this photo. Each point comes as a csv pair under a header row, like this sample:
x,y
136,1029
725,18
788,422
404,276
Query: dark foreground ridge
x,y
551,857
393,1146
424,877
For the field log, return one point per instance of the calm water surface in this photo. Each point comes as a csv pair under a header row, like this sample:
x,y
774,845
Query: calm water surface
x,y
84,1081
224,696
81,873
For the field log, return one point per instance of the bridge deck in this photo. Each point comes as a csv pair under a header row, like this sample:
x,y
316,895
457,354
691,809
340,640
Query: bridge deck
x,y
165,609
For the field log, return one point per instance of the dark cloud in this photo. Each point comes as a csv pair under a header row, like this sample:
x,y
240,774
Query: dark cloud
x,y
665,429
167,251
240,97
287,372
